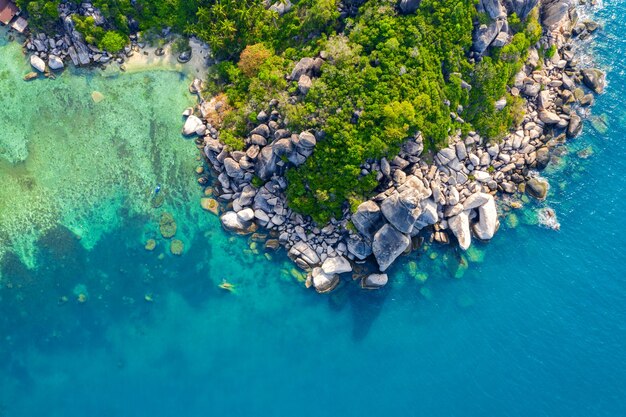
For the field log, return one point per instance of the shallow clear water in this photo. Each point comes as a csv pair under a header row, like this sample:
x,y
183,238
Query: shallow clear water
x,y
538,328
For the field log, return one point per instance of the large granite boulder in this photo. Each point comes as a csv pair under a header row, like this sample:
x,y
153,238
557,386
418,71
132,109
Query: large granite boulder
x,y
409,6
429,214
537,188
476,200
324,282
55,63
336,265
459,225
594,79
574,126
37,63
233,170
485,34
367,219
487,220
192,125
549,117
554,11
304,255
359,247
492,7
305,66
388,244
231,221
374,281
402,210
520,7
266,163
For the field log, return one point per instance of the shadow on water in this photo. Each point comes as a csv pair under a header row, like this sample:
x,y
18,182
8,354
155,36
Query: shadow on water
x,y
365,305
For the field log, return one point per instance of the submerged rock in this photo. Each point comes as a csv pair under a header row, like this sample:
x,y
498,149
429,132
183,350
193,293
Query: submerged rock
x,y
150,245
537,188
167,225
177,247
210,204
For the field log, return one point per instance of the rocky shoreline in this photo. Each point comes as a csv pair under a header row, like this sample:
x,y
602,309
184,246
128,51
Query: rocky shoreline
x,y
49,54
444,197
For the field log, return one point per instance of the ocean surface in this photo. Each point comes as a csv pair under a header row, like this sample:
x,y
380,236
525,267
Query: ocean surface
x,y
93,324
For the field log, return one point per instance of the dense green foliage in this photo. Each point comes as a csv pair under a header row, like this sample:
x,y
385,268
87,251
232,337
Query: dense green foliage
x,y
397,72
386,76
491,76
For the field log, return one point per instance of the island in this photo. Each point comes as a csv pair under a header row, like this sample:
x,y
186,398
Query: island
x,y
350,132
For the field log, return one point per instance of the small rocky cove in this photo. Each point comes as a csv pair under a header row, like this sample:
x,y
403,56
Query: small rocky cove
x,y
449,197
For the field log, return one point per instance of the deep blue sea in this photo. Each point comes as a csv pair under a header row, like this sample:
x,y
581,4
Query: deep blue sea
x,y
92,324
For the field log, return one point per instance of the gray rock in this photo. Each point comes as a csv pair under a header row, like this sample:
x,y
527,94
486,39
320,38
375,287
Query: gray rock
x,y
323,282
367,219
266,163
575,125
543,157
282,147
374,281
485,34
302,250
192,124
359,247
537,188
548,117
336,265
262,130
306,140
461,150
459,225
37,63
409,6
487,220
594,79
492,7
246,215
233,170
304,84
388,244
234,223
55,63
429,214
385,168
402,210
281,7
304,66
543,100
476,200
261,216
553,13
520,7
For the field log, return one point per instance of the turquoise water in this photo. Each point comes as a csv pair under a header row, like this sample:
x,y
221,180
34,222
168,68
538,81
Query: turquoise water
x,y
538,328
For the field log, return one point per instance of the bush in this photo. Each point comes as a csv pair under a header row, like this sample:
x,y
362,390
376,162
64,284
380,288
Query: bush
x,y
113,41
251,59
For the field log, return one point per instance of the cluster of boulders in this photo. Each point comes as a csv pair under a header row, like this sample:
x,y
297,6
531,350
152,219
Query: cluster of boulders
x,y
445,197
50,52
